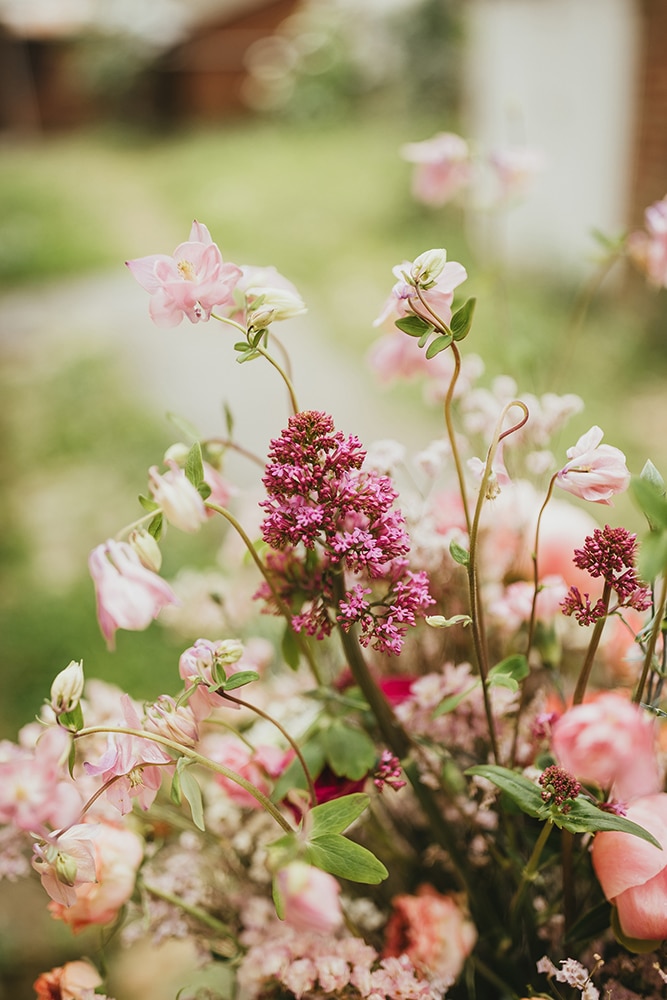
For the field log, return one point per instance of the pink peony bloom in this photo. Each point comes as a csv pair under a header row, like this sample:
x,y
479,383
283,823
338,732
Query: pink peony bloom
x,y
128,594
310,898
633,873
438,296
649,249
433,931
72,981
181,502
443,167
191,283
118,854
595,471
611,742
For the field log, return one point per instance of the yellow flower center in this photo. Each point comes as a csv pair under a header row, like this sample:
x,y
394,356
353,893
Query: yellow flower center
x,y
187,270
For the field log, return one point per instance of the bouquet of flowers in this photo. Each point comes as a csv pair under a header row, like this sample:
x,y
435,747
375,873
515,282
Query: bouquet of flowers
x,y
422,754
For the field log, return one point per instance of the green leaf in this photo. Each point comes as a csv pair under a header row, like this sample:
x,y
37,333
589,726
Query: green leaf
x,y
184,425
651,500
229,421
462,320
525,793
509,672
241,346
651,475
204,490
652,557
74,719
175,790
156,526
278,900
585,817
336,815
345,859
194,465
289,647
192,793
438,344
453,701
459,554
293,776
248,355
349,752
414,326
240,679
148,504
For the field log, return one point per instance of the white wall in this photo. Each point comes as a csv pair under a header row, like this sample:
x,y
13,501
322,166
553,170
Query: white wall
x,y
559,75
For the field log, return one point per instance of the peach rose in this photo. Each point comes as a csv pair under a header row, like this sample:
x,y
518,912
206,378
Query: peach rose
x,y
72,981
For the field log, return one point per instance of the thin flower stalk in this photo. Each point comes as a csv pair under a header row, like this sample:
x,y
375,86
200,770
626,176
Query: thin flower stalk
x,y
587,666
530,871
205,918
656,630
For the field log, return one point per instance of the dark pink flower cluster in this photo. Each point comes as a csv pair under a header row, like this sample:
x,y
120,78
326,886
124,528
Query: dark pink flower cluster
x,y
608,553
559,787
325,516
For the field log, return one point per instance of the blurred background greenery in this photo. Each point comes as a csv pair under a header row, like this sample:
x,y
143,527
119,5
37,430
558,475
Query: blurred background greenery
x,y
312,184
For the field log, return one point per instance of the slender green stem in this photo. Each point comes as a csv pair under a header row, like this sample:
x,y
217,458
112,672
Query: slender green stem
x,y
529,872
196,758
451,435
193,911
283,374
587,666
280,604
652,642
536,574
239,449
281,729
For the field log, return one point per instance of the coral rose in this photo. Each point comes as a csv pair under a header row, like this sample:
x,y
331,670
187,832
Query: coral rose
x,y
72,981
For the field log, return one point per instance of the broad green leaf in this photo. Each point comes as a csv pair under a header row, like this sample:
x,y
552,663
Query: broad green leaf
x,y
509,672
525,793
652,558
349,752
289,648
293,776
336,815
651,500
585,817
192,793
453,701
194,465
651,475
459,554
414,326
438,344
240,679
343,858
462,320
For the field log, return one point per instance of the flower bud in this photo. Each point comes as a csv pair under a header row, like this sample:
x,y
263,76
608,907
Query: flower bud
x,y
177,453
176,722
266,305
181,503
427,267
67,688
146,548
65,868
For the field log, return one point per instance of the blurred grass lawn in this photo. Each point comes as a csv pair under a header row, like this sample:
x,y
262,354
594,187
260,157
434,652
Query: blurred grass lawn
x,y
330,208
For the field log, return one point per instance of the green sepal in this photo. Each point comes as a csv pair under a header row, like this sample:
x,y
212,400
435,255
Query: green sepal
x,y
438,344
462,320
71,758
156,526
194,465
344,858
414,326
191,792
289,647
240,679
148,504
277,900
509,672
72,720
204,490
459,554
336,815
349,752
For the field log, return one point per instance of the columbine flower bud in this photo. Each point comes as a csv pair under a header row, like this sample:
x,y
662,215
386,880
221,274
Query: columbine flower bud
x,y
146,548
67,688
177,453
174,721
65,868
427,267
267,305
181,503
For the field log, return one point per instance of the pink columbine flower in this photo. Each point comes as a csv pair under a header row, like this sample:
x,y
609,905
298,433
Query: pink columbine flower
x,y
35,790
443,167
193,282
128,594
310,898
421,289
595,471
65,861
181,502
649,249
137,764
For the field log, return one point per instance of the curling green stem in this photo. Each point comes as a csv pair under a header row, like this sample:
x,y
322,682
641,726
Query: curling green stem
x,y
283,374
193,911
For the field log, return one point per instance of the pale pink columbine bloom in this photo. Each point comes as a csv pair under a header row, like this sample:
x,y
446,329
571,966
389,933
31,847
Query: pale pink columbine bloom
x,y
35,789
442,167
192,282
310,898
612,742
129,595
221,491
181,502
260,766
396,356
71,981
633,873
649,249
436,288
196,667
65,861
595,471
514,605
118,854
136,763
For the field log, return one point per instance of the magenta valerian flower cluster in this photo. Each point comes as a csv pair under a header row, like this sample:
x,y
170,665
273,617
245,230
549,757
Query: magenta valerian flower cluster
x,y
608,553
339,523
